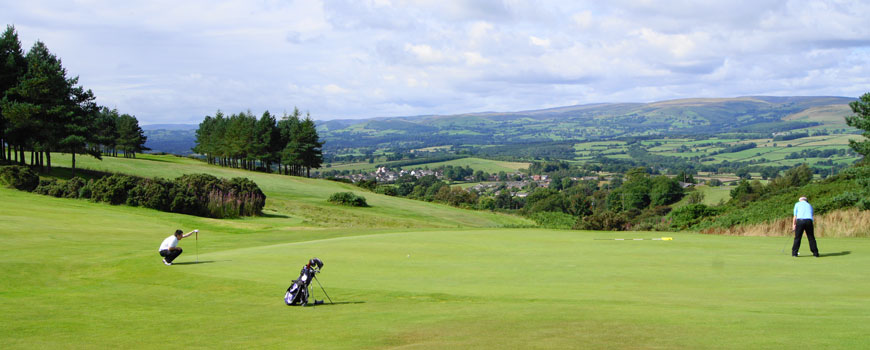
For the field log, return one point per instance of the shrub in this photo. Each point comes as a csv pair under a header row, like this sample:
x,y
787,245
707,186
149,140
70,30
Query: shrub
x,y
206,195
196,194
19,177
689,215
603,221
65,189
87,190
555,220
73,187
150,193
387,190
113,189
348,198
46,187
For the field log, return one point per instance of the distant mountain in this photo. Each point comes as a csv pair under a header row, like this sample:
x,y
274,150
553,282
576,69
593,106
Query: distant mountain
x,y
751,114
167,140
170,127
601,121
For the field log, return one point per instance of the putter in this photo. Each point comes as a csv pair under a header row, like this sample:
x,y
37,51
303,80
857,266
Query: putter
x,y
196,239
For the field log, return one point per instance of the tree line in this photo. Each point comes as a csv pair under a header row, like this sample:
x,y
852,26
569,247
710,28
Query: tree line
x,y
43,110
241,140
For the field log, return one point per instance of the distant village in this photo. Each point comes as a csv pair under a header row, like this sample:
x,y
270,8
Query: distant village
x,y
517,181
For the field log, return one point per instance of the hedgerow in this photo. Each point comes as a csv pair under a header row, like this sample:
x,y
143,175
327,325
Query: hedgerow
x,y
193,194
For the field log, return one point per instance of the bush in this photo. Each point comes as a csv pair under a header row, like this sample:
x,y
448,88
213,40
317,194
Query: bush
x,y
206,195
348,198
19,177
555,220
603,221
46,187
150,193
196,194
387,190
113,189
689,215
65,189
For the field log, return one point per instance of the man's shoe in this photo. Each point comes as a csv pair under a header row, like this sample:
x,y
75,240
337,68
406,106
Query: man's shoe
x,y
166,262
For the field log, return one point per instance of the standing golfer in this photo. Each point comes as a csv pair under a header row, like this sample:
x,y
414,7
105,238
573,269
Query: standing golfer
x,y
803,222
169,249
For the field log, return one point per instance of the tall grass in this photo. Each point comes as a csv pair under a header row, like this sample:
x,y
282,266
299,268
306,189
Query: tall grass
x,y
840,223
222,204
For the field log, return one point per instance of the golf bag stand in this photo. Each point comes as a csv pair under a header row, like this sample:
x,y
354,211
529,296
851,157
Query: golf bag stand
x,y
297,293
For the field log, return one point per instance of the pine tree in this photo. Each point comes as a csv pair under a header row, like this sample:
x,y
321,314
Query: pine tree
x,y
131,138
12,68
38,103
311,148
861,120
79,125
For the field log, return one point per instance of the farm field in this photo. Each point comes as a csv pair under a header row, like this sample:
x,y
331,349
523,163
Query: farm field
x,y
77,274
487,165
767,152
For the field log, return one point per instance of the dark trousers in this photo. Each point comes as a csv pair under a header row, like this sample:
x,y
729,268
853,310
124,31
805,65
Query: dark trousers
x,y
170,255
801,226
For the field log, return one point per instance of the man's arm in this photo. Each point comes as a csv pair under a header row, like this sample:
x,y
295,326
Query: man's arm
x,y
188,234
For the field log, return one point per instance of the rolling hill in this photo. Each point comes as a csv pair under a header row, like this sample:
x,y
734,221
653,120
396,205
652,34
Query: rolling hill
x,y
591,122
403,275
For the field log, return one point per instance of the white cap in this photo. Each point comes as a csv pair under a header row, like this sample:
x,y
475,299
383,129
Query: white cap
x,y
802,199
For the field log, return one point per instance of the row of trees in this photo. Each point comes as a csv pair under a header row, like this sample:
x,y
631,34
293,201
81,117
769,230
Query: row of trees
x,y
42,110
242,141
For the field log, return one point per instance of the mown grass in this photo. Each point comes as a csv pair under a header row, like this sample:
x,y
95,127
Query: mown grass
x,y
304,201
76,274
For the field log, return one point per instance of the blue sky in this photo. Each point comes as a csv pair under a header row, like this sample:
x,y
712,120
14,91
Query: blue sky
x,y
178,61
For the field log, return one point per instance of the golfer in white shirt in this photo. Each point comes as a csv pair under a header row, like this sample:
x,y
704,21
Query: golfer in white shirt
x,y
169,249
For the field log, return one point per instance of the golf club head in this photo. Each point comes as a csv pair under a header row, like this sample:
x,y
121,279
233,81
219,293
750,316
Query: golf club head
x,y
316,262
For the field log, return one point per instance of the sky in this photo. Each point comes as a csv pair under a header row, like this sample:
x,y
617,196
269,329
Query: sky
x,y
178,61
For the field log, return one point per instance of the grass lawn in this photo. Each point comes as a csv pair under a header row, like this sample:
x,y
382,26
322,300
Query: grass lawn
x,y
75,274
302,201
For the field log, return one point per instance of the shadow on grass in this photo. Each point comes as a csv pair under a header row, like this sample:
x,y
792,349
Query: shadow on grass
x,y
337,303
845,252
268,215
197,262
66,173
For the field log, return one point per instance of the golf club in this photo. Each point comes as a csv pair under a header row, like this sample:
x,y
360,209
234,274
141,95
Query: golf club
x,y
324,290
787,243
196,239
635,239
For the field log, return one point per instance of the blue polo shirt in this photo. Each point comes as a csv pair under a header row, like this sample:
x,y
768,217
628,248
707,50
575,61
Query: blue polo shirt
x,y
803,210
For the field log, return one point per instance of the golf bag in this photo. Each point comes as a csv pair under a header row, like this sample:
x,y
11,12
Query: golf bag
x,y
297,293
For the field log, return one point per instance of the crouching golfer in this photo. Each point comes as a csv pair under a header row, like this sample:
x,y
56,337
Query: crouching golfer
x,y
169,249
803,222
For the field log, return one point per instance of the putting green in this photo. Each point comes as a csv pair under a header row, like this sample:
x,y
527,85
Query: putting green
x,y
75,274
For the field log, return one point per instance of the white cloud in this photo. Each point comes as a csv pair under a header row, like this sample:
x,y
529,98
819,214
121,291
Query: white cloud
x,y
169,61
539,42
425,53
334,89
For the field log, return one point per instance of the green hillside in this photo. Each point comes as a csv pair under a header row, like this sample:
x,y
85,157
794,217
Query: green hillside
x,y
487,165
296,201
592,122
76,274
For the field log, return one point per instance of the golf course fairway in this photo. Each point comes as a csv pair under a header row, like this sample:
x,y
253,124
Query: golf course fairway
x,y
76,274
